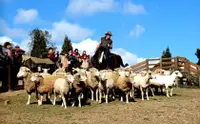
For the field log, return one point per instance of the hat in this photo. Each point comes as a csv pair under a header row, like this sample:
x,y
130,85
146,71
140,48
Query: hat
x,y
6,44
108,33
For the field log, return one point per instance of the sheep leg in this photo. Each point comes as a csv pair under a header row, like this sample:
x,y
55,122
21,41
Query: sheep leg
x,y
37,97
74,99
121,98
54,100
113,90
152,91
41,99
29,99
171,90
147,93
49,97
100,95
127,99
107,93
92,94
64,101
142,92
79,100
97,99
167,92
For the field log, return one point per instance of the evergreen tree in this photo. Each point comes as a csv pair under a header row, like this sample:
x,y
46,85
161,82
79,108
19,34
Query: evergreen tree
x,y
39,42
198,55
67,45
166,54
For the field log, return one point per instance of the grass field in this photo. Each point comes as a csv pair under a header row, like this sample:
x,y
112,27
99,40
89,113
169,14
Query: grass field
x,y
182,108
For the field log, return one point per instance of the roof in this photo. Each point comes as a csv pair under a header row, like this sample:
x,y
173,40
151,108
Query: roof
x,y
37,60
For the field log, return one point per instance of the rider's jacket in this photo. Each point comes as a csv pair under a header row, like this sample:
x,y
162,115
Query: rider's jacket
x,y
105,42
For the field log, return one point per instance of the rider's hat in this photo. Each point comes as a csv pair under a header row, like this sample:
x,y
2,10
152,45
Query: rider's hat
x,y
108,33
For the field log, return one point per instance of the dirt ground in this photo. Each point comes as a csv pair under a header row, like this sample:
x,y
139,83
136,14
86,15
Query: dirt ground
x,y
182,108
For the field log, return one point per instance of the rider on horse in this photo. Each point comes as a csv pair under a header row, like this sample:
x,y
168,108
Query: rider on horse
x,y
105,45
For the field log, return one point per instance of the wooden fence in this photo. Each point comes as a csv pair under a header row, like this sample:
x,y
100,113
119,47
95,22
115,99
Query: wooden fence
x,y
175,63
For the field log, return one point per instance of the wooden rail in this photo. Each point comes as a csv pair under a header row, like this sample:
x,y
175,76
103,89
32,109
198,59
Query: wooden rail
x,y
174,63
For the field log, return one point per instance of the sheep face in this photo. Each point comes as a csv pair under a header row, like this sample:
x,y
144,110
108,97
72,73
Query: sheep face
x,y
95,71
23,72
70,78
177,73
124,73
102,76
80,76
36,77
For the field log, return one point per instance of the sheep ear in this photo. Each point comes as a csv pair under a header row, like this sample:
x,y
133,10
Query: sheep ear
x,y
28,70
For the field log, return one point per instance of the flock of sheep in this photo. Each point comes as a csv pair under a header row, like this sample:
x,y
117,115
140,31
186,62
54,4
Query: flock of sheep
x,y
98,83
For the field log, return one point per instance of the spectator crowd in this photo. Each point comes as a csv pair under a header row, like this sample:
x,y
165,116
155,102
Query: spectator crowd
x,y
12,55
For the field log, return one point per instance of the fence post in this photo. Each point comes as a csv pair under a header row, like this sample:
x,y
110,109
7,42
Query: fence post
x,y
185,65
147,64
176,63
198,72
160,63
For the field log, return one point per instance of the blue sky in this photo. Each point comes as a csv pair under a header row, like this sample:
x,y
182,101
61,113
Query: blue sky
x,y
141,28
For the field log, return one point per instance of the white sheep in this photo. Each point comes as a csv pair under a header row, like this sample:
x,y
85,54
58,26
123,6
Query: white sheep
x,y
108,79
92,82
141,81
62,87
166,81
124,84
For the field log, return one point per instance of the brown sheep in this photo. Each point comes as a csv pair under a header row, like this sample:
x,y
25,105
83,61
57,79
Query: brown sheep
x,y
45,85
29,86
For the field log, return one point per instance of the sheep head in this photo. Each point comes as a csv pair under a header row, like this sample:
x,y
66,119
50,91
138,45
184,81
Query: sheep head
x,y
124,73
36,77
80,77
23,72
70,78
177,73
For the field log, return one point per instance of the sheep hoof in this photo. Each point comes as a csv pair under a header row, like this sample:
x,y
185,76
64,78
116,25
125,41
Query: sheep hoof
x,y
142,99
28,103
73,105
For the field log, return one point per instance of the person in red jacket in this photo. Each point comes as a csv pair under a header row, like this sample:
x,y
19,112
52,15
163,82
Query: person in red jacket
x,y
52,55
84,55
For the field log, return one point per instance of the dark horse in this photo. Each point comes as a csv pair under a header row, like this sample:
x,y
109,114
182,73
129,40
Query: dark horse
x,y
114,59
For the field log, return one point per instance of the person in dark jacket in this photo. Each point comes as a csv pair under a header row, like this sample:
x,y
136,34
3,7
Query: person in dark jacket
x,y
105,45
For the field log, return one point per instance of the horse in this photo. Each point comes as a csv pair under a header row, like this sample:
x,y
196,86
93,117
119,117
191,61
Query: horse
x,y
114,60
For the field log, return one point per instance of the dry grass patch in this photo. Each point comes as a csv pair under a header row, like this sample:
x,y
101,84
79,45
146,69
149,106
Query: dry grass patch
x,y
182,108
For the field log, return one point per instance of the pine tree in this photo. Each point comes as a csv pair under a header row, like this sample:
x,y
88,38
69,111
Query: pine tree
x,y
198,55
39,42
67,45
166,54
